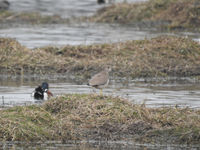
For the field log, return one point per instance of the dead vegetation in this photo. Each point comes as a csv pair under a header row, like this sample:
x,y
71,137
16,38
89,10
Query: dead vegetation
x,y
158,57
30,18
165,14
83,117
170,14
17,59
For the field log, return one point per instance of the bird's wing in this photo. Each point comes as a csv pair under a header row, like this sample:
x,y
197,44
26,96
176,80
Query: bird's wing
x,y
98,79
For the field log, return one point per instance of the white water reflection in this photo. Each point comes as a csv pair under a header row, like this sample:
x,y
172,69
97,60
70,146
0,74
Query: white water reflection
x,y
153,95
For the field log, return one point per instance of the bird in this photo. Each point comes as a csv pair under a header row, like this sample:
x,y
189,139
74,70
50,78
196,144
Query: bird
x,y
42,92
100,1
101,79
4,5
105,1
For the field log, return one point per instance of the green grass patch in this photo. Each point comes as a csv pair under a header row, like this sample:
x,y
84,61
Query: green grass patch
x,y
83,117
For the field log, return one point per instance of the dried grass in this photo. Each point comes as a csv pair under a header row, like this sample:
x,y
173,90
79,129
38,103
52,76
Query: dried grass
x,y
178,14
80,116
15,58
30,18
161,56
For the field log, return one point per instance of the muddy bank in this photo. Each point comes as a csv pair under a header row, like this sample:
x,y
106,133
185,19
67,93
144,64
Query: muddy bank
x,y
95,117
166,14
158,57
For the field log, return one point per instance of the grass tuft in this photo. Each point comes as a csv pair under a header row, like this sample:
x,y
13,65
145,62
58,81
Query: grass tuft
x,y
30,18
162,56
170,14
83,117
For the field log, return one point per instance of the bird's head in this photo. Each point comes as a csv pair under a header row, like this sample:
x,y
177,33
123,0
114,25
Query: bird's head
x,y
45,86
108,68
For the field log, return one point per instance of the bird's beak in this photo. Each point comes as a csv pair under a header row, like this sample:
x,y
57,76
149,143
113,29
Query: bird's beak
x,y
49,93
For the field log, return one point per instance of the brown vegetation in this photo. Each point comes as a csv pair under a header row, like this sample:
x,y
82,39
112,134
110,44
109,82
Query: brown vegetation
x,y
83,117
173,14
17,59
161,56
30,18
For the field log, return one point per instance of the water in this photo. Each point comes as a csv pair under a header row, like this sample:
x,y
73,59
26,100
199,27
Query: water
x,y
83,33
33,36
64,8
87,33
183,94
74,34
94,145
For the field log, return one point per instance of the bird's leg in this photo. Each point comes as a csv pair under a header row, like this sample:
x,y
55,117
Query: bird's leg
x,y
101,92
93,90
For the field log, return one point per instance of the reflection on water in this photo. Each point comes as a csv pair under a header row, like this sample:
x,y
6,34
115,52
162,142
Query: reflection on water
x,y
153,95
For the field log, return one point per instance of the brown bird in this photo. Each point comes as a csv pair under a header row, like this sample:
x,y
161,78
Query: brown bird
x,y
101,79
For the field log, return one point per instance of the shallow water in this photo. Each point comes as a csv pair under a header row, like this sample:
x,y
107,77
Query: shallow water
x,y
83,33
64,8
34,36
95,145
152,94
74,34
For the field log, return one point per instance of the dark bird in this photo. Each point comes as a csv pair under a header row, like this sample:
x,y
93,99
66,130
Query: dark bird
x,y
100,1
42,92
105,1
4,5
